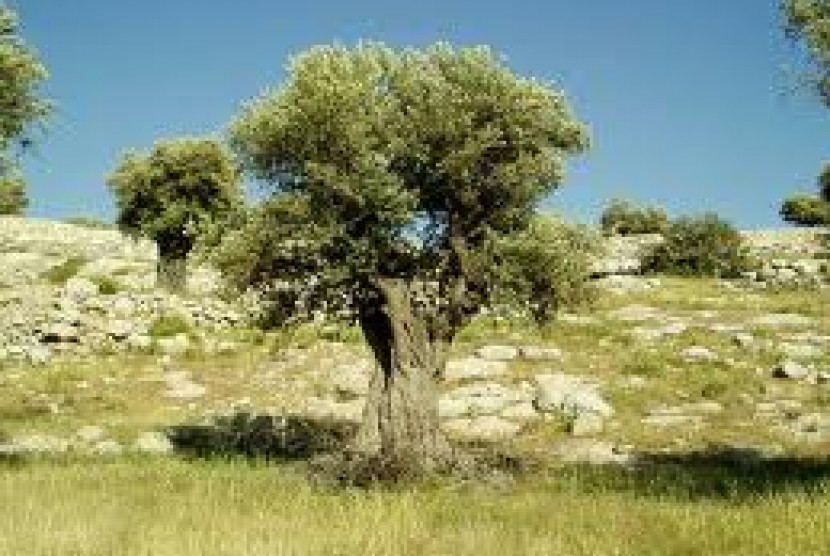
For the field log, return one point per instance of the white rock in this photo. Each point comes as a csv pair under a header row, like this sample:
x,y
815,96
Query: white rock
x,y
153,443
536,353
474,368
791,370
570,395
698,354
593,452
497,353
487,428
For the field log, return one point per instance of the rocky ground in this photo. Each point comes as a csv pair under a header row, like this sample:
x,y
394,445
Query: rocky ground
x,y
90,364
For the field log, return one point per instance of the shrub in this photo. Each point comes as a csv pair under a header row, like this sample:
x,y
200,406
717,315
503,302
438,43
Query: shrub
x,y
546,268
13,199
106,285
89,222
805,210
168,326
62,273
703,245
624,218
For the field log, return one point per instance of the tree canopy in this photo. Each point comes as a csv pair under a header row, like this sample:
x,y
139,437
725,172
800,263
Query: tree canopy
x,y
395,176
21,108
171,192
808,22
810,210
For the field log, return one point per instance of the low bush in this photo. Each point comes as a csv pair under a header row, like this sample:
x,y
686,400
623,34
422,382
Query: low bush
x,y
624,218
703,245
106,285
89,222
168,326
62,273
547,267
805,210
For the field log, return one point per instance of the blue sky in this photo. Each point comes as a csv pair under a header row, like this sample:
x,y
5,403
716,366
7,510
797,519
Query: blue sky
x,y
684,98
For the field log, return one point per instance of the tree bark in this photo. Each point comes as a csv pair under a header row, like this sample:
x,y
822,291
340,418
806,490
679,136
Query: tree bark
x,y
171,272
400,420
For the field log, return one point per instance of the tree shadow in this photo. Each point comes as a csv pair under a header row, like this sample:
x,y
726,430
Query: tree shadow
x,y
269,437
720,472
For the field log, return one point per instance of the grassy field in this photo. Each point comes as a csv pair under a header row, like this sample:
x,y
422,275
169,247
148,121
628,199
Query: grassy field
x,y
177,508
686,498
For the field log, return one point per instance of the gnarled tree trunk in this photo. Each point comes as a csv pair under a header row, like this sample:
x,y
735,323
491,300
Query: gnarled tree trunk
x,y
171,271
400,421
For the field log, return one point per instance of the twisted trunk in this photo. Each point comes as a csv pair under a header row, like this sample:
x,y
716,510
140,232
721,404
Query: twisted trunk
x,y
171,271
400,421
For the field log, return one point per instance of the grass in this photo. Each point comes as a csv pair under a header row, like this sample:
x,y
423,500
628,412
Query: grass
x,y
690,502
168,326
179,508
60,274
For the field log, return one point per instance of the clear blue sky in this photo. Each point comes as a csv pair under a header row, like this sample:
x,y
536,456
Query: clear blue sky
x,y
683,97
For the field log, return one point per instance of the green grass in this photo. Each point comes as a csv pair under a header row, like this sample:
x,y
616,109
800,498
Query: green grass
x,y
106,285
168,326
60,274
690,503
178,508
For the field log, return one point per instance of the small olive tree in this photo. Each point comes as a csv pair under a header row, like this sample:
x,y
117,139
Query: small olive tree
x,y
170,193
810,210
21,108
396,175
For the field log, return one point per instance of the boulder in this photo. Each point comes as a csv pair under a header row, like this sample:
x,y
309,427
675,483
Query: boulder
x,y
488,428
474,368
791,370
570,395
497,353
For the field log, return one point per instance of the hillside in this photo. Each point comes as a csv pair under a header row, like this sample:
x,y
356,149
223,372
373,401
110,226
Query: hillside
x,y
661,372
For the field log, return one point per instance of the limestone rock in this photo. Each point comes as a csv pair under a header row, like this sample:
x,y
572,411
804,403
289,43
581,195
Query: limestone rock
x,y
486,428
570,395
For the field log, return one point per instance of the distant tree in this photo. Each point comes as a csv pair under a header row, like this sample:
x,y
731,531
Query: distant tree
x,y
13,198
805,210
21,108
395,175
622,217
704,245
170,193
810,210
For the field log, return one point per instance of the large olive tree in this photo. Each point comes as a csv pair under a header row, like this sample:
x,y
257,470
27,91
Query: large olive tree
x,y
396,175
170,194
21,108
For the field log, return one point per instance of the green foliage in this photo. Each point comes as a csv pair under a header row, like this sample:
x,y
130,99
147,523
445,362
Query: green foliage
x,y
703,245
21,108
13,199
808,22
169,193
394,165
62,273
546,267
89,222
624,218
106,285
805,210
167,326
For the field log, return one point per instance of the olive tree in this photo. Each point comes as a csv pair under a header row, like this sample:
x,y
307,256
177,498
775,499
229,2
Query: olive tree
x,y
170,193
21,107
810,210
395,176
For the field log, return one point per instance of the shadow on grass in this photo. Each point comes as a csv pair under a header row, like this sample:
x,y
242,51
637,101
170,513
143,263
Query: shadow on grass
x,y
718,473
280,438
